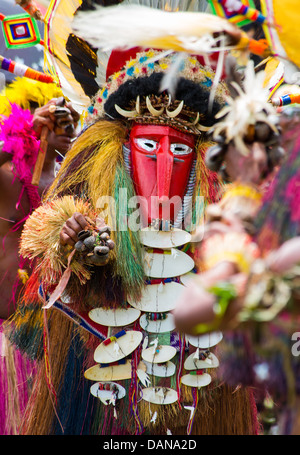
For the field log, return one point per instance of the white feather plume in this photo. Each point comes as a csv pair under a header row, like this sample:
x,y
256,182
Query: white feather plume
x,y
170,79
126,26
250,106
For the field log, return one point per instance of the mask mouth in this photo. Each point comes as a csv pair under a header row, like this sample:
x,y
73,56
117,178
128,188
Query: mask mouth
x,y
161,225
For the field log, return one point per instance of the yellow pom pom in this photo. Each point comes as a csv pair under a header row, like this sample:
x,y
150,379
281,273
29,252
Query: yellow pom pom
x,y
23,275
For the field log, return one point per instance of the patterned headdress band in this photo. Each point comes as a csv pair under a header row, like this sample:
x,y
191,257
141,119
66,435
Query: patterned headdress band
x,y
134,93
161,110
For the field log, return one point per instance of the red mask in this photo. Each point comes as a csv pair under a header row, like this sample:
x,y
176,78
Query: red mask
x,y
161,158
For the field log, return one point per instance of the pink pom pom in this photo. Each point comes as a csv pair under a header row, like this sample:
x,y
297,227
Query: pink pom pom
x,y
20,141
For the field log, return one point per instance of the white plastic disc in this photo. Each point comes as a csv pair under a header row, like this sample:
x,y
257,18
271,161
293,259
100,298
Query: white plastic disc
x,y
107,395
192,363
159,355
164,239
119,317
169,264
158,298
163,370
117,350
112,372
160,395
158,326
197,380
205,341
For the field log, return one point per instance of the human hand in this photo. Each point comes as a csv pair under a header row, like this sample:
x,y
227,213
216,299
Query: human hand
x,y
197,307
71,229
285,257
91,240
49,115
44,116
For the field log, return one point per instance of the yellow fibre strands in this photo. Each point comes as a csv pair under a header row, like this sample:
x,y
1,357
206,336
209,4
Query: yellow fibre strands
x,y
41,238
99,150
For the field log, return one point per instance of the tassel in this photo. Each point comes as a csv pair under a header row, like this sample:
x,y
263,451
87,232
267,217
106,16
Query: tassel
x,y
51,388
25,330
216,402
63,282
134,392
16,374
180,366
193,410
40,412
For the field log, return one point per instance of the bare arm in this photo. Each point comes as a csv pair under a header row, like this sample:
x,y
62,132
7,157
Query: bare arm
x,y
4,157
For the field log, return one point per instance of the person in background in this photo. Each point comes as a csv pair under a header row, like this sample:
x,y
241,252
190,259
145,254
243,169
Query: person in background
x,y
26,107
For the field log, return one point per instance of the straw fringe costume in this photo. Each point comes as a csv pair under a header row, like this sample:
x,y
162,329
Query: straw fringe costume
x,y
67,334
58,320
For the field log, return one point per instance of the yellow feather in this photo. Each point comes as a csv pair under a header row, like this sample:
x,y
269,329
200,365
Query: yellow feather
x,y
104,140
24,91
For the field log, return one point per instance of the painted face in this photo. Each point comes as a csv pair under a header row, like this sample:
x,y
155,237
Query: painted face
x,y
162,158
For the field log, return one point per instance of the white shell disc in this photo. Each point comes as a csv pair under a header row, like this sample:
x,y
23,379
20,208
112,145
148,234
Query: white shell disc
x,y
158,298
117,350
111,373
164,354
166,265
205,341
197,380
164,239
119,317
106,395
187,277
160,395
158,326
195,364
163,370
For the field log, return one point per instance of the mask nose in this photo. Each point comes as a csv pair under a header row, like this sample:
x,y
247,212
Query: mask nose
x,y
164,169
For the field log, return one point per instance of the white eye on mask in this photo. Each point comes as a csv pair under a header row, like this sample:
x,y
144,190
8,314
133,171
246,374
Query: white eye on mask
x,y
150,145
146,144
180,149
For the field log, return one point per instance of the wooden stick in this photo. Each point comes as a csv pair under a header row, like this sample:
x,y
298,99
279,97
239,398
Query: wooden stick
x,y
41,157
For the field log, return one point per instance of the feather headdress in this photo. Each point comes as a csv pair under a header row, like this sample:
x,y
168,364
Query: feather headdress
x,y
135,92
127,26
247,108
80,37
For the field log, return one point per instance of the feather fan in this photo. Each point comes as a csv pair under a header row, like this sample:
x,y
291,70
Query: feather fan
x,y
61,59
